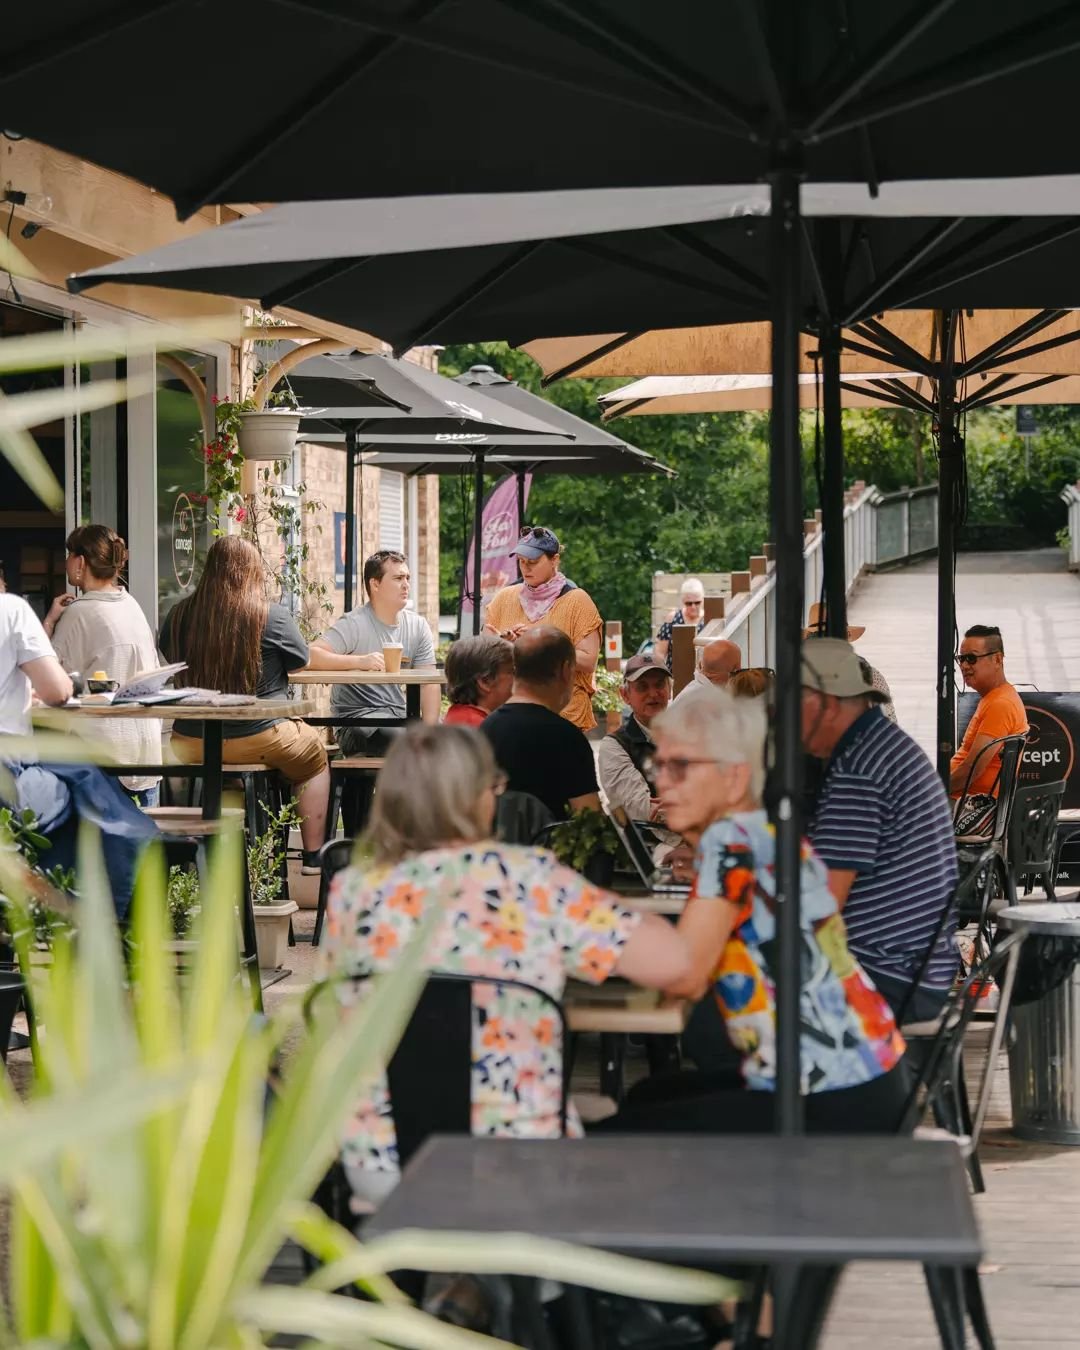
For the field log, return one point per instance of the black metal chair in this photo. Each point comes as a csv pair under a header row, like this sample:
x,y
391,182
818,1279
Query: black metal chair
x,y
939,1084
1032,838
334,856
521,818
939,1081
969,847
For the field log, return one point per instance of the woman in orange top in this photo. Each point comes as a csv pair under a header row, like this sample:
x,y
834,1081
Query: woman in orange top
x,y
546,596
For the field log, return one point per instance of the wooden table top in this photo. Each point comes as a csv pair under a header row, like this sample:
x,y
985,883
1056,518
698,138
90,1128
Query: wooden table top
x,y
641,1012
254,711
654,904
420,675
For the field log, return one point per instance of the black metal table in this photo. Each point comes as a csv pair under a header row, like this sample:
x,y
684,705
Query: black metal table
x,y
804,1206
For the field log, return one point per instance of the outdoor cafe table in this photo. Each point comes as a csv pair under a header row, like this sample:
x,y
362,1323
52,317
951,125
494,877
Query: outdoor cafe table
x,y
639,1013
795,1203
213,717
413,679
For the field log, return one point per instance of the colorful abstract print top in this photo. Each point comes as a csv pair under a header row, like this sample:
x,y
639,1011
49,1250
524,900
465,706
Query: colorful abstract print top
x,y
848,1032
508,912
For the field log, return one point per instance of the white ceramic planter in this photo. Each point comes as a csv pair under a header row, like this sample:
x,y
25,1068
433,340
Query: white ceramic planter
x,y
272,932
268,435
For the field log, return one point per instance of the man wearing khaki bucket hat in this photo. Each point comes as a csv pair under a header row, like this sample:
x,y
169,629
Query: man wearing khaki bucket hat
x,y
815,628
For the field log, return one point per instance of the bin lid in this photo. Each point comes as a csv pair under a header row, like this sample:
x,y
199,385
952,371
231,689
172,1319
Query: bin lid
x,y
1046,920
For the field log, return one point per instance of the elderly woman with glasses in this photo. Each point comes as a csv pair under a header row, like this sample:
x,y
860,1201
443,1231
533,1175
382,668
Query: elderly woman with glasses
x,y
709,771
504,911
691,610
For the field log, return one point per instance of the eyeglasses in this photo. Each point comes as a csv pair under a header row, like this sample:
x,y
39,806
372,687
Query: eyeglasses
x,y
695,603
673,765
533,532
969,658
499,783
752,670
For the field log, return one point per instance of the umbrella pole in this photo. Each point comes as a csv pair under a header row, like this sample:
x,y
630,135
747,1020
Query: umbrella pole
x,y
350,516
786,772
478,538
832,488
949,457
520,476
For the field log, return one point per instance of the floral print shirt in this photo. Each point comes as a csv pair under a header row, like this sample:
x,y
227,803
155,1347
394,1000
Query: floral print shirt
x,y
508,911
848,1032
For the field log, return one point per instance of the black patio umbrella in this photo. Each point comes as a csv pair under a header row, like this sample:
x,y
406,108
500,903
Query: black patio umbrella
x,y
566,444
379,400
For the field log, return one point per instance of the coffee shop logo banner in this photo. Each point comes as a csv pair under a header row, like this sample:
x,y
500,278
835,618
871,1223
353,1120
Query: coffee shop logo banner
x,y
1054,732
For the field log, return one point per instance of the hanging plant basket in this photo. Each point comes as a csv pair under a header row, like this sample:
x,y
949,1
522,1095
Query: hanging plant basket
x,y
268,435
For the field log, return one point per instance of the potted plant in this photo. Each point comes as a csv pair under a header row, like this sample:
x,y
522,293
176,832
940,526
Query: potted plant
x,y
44,915
265,860
588,843
607,702
182,895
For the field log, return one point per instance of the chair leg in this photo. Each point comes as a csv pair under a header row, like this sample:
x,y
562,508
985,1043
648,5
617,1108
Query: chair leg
x,y
612,1059
967,1126
941,1285
976,1308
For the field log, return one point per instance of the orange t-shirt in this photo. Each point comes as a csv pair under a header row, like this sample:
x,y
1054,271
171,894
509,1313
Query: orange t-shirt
x,y
1001,712
577,616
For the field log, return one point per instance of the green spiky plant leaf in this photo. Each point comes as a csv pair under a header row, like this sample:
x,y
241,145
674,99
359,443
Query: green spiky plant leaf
x,y
154,1178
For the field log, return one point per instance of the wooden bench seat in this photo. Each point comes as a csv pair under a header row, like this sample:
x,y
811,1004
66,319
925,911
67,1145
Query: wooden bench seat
x,y
188,820
370,762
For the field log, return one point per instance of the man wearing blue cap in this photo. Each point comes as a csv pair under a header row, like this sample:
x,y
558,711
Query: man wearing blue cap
x,y
545,596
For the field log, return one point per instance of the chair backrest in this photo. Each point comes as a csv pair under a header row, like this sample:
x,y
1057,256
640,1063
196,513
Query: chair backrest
x,y
1033,828
430,1074
965,900
335,856
520,817
1003,787
943,1057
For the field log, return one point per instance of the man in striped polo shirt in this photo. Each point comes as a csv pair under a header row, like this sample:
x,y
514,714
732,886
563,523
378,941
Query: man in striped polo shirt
x,y
883,828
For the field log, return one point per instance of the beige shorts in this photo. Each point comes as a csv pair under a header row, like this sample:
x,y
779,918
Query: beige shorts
x,y
293,748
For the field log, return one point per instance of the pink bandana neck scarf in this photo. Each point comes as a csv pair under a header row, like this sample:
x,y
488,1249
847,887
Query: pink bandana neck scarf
x,y
537,600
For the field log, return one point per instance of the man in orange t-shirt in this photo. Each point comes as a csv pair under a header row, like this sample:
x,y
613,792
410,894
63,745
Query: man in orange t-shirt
x,y
1000,712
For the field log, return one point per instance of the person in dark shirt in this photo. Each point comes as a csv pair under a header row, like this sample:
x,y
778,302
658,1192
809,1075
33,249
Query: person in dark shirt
x,y
540,751
236,642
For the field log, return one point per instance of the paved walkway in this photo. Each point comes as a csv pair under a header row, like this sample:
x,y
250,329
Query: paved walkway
x,y
1032,598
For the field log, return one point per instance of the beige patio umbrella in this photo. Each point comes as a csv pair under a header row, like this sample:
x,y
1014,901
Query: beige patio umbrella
x,y
672,394
1042,341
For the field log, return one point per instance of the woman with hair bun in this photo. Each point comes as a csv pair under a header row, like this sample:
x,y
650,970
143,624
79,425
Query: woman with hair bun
x,y
103,628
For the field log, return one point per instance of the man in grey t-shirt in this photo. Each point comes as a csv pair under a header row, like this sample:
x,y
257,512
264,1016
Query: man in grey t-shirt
x,y
356,642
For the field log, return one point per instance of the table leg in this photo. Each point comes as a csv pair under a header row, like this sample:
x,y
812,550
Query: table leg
x,y
212,770
412,702
801,1298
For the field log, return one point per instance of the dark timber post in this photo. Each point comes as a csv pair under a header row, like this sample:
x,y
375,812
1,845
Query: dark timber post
x,y
832,487
350,516
949,480
785,465
478,538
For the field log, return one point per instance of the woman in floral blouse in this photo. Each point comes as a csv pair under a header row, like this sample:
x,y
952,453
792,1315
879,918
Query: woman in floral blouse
x,y
508,911
709,767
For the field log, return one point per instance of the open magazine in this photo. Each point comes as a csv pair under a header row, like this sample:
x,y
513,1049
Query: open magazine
x,y
146,687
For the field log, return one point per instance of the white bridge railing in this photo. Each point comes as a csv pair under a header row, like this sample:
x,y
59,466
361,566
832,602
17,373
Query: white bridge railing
x,y
1071,497
879,530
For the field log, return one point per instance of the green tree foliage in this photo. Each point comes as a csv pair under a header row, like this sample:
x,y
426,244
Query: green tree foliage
x,y
618,531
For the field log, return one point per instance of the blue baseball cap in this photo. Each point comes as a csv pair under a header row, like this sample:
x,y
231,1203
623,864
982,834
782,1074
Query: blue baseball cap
x,y
536,541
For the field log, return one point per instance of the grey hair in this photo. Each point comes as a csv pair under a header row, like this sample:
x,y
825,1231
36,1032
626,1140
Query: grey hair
x,y
429,790
731,730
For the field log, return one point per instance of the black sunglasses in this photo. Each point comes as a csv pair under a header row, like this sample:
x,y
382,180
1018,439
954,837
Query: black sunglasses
x,y
969,658
533,532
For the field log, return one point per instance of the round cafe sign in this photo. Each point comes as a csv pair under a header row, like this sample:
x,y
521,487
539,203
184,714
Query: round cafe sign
x,y
183,540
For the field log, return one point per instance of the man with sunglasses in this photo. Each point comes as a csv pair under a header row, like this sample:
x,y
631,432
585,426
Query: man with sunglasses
x,y
1000,712
545,596
691,610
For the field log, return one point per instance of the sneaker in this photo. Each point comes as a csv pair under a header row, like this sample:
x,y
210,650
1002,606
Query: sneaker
x,y
309,863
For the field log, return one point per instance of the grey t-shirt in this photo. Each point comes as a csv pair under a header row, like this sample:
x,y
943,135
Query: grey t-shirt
x,y
360,632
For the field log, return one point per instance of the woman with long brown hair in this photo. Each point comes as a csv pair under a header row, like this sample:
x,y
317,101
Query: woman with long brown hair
x,y
236,641
104,628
